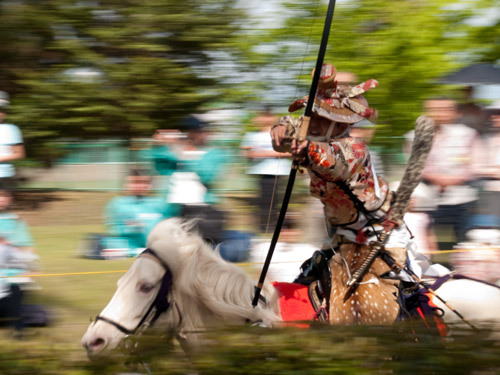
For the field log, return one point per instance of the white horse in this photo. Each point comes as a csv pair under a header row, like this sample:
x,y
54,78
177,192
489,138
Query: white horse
x,y
182,286
186,286
476,301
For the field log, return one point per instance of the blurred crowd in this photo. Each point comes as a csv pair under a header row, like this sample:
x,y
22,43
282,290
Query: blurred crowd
x,y
17,253
456,205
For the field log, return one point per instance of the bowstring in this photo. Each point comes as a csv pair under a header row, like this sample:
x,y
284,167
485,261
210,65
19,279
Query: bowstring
x,y
294,97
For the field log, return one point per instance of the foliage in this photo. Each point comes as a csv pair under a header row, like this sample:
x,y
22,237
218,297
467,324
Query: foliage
x,y
319,350
484,37
110,68
405,45
72,298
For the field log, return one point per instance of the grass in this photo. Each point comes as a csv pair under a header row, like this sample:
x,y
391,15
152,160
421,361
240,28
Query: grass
x,y
72,299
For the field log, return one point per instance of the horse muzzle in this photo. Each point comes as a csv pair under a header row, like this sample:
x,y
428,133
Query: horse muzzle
x,y
101,339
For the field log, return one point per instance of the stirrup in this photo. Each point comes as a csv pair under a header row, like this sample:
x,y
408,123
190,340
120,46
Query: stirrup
x,y
319,304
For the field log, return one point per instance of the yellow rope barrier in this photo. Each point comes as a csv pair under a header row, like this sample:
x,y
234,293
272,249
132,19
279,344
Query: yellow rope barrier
x,y
463,250
64,274
239,264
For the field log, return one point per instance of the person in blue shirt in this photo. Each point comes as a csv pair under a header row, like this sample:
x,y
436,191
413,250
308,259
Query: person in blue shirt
x,y
16,258
192,165
131,216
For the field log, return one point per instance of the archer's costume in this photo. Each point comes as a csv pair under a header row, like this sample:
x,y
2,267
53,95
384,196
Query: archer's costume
x,y
356,201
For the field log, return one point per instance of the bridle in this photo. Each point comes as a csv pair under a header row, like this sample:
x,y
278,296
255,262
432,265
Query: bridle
x,y
160,304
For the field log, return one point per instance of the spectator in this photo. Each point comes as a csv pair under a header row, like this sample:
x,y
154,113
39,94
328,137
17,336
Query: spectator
x,y
470,113
11,144
192,164
479,257
489,201
451,166
267,164
193,168
169,144
16,258
130,217
364,130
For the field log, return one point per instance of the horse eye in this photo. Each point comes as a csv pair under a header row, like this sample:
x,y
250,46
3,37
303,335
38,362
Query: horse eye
x,y
146,288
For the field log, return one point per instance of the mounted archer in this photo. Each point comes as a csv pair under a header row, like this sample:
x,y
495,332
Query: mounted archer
x,y
356,202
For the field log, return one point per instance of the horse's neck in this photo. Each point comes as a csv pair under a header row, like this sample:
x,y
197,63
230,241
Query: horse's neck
x,y
193,316
214,291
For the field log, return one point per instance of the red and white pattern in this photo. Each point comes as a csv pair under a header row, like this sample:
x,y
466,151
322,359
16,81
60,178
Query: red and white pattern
x,y
347,160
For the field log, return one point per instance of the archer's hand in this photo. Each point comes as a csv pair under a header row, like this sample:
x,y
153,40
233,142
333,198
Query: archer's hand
x,y
282,142
299,150
280,139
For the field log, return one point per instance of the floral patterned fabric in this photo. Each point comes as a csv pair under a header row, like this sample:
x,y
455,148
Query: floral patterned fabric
x,y
341,160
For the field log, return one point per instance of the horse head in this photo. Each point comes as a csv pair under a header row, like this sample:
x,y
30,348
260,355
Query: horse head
x,y
142,295
179,284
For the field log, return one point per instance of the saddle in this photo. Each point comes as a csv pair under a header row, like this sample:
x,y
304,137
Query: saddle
x,y
316,273
413,303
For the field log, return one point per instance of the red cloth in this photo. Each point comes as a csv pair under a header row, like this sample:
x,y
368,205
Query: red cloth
x,y
294,302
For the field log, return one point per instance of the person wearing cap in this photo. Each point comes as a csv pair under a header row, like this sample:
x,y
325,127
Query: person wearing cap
x,y
355,198
190,160
191,167
11,143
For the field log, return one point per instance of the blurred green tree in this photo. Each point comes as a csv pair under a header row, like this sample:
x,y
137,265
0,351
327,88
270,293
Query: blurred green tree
x,y
93,69
112,68
405,44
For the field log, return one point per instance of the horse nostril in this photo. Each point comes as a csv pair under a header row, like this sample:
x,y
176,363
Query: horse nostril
x,y
96,344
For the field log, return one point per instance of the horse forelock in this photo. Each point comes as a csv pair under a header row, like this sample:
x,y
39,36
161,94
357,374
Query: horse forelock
x,y
174,241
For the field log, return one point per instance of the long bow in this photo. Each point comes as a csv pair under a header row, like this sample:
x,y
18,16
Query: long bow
x,y
295,165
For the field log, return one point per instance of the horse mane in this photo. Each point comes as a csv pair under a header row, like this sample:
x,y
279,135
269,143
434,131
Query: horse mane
x,y
204,283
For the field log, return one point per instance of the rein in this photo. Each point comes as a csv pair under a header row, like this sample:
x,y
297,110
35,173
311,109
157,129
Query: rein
x,y
160,304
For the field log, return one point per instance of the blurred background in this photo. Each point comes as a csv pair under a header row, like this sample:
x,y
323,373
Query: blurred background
x,y
109,95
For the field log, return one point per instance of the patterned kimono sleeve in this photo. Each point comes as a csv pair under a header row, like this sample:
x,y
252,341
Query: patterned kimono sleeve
x,y
342,159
